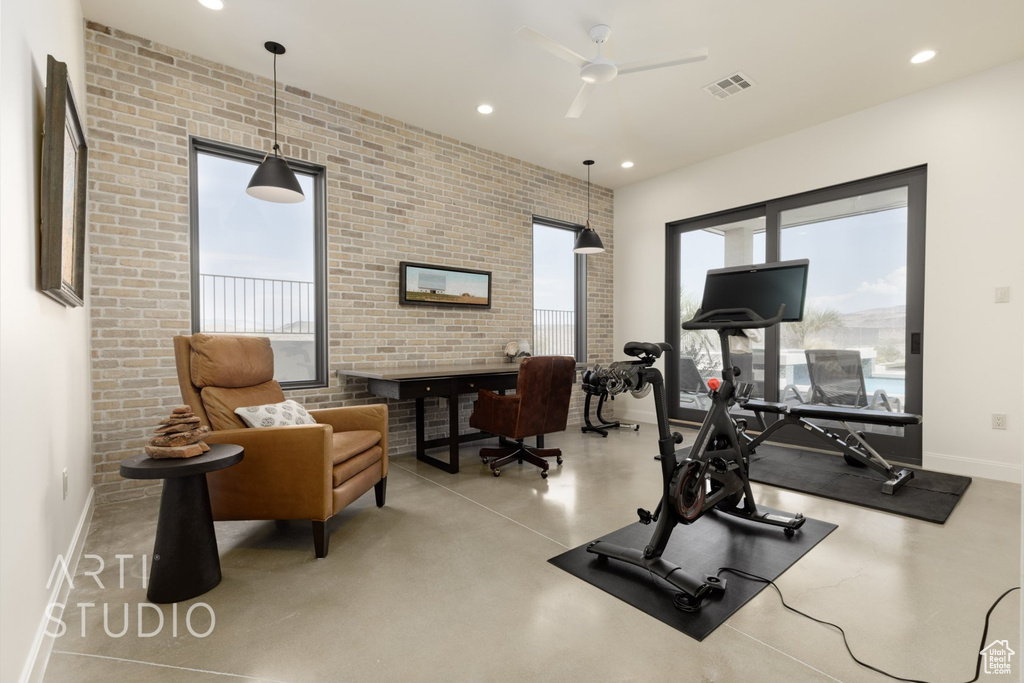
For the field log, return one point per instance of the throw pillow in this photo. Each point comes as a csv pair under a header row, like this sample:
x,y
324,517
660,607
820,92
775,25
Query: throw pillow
x,y
275,415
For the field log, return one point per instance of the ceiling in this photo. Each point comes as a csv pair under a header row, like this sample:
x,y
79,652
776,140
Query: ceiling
x,y
430,63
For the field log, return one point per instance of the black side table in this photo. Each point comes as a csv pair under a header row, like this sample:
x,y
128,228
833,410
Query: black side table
x,y
185,558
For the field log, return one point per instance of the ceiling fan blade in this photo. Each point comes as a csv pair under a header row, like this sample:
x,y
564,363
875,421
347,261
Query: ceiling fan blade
x,y
580,103
557,49
696,55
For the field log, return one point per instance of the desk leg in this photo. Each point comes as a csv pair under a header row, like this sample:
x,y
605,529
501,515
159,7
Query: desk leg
x,y
453,431
185,559
421,450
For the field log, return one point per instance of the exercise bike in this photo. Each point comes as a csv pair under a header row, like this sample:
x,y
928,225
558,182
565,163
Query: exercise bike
x,y
713,474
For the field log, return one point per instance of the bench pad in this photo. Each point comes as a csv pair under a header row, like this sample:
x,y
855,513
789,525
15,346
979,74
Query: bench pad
x,y
875,417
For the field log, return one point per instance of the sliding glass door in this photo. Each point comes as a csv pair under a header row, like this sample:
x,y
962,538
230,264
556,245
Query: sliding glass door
x,y
859,344
735,238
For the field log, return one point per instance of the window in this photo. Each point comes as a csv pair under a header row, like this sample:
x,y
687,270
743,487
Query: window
x,y
559,291
257,266
864,314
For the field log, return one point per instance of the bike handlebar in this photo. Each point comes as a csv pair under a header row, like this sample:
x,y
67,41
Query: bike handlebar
x,y
704,321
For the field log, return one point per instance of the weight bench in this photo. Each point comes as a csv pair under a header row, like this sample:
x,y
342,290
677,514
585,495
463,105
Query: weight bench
x,y
855,449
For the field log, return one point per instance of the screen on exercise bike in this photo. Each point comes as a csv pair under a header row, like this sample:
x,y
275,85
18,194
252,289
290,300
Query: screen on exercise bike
x,y
761,288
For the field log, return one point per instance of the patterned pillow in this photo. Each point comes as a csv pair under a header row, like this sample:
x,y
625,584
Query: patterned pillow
x,y
275,415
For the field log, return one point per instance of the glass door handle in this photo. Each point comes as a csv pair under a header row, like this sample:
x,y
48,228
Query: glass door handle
x,y
915,343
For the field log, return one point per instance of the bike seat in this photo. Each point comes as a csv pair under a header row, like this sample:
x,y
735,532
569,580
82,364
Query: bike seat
x,y
638,349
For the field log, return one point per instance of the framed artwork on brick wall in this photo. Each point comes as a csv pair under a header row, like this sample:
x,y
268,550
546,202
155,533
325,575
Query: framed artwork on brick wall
x,y
62,191
425,285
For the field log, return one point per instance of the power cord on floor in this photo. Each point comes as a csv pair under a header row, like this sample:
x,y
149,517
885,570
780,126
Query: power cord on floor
x,y
984,634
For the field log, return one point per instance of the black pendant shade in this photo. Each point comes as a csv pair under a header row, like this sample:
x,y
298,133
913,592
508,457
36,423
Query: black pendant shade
x,y
274,180
587,241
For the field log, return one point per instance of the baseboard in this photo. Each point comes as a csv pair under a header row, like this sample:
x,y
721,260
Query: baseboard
x,y
972,467
39,655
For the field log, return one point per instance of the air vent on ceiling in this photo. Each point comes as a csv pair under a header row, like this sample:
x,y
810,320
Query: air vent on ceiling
x,y
730,85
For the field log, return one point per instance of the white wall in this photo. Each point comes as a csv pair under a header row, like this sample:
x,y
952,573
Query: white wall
x,y
970,133
45,421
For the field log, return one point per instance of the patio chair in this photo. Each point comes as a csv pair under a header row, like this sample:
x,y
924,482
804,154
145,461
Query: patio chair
x,y
692,388
837,379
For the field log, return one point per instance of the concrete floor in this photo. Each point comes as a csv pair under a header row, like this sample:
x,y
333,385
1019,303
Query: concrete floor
x,y
449,582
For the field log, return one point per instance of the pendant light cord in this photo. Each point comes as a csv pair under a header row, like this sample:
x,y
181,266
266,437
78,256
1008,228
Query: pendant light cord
x,y
276,147
588,186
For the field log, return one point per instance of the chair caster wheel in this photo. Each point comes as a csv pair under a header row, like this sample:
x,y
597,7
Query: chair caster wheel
x,y
636,428
558,460
497,473
544,474
789,532
604,435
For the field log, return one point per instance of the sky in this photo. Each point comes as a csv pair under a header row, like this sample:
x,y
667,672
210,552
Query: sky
x,y
247,237
554,268
857,263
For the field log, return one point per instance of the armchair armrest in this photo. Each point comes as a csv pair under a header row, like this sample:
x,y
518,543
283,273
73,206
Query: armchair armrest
x,y
350,418
285,474
496,414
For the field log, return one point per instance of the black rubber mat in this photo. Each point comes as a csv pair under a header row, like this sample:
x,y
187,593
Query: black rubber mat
x,y
930,496
715,540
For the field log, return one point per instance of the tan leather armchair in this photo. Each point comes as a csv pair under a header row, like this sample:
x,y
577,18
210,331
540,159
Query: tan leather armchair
x,y
292,472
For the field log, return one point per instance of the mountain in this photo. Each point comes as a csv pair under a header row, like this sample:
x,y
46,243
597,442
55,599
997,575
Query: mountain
x,y
893,316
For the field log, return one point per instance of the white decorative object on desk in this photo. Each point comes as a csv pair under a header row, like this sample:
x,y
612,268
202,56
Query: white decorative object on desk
x,y
511,351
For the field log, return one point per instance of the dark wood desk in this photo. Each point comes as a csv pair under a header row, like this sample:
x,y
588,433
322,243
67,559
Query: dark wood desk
x,y
185,558
446,381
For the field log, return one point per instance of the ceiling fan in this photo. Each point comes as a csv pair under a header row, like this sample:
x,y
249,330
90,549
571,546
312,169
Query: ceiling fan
x,y
599,69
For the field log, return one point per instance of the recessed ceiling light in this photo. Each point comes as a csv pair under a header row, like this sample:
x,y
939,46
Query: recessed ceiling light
x,y
485,109
212,4
922,57
627,164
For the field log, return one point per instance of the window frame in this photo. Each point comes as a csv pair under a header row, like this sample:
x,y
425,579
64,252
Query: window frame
x,y
579,284
907,448
223,150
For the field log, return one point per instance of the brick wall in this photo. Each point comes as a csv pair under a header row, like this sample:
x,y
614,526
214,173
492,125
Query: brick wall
x,y
394,192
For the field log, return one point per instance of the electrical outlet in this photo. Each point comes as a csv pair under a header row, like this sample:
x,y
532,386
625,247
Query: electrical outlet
x,y
64,481
1002,295
998,421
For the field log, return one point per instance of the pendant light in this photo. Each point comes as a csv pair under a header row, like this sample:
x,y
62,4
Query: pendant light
x,y
274,180
587,241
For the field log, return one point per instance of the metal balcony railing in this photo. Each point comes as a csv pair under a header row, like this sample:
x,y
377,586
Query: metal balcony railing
x,y
554,332
228,303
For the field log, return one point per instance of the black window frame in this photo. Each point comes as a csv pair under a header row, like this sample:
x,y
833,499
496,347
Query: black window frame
x,y
908,448
318,173
579,284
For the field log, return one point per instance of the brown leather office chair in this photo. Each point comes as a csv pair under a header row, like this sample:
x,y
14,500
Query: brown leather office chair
x,y
303,471
540,406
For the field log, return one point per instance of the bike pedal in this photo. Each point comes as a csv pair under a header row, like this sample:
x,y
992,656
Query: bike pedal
x,y
718,465
644,515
